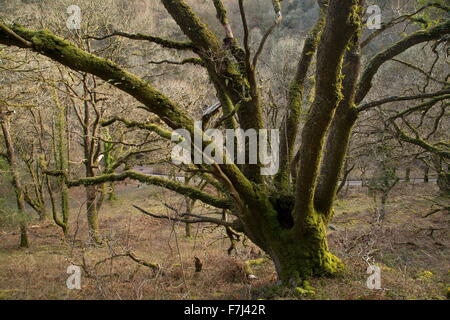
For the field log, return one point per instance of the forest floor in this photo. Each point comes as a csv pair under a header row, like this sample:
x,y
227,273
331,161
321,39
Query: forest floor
x,y
411,251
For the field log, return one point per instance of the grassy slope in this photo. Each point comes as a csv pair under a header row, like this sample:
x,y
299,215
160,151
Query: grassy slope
x,y
413,260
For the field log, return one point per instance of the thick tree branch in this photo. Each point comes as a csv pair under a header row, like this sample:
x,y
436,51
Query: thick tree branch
x,y
342,23
339,134
224,73
24,43
202,38
163,133
69,55
289,126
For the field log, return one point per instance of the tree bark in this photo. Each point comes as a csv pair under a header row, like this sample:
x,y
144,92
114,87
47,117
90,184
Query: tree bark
x,y
290,126
297,253
62,159
408,174
443,182
92,214
426,172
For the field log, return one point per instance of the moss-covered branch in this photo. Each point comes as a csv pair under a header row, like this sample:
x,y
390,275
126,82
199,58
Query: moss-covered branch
x,y
222,17
178,187
376,62
192,26
289,128
386,26
15,37
339,133
163,133
64,52
239,86
145,263
345,17
435,149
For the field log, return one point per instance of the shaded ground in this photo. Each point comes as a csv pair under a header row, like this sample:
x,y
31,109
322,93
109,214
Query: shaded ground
x,y
412,251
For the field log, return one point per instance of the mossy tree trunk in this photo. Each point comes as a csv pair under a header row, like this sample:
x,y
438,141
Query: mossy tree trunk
x,y
408,174
426,174
92,214
36,199
443,174
304,255
11,158
93,203
62,161
112,196
92,147
298,251
443,182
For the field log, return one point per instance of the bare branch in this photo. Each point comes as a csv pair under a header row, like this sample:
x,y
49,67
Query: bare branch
x,y
194,61
164,133
377,103
263,41
426,74
246,35
200,219
143,37
421,106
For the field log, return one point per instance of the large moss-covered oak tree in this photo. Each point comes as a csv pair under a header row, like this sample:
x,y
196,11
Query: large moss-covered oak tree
x,y
286,215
